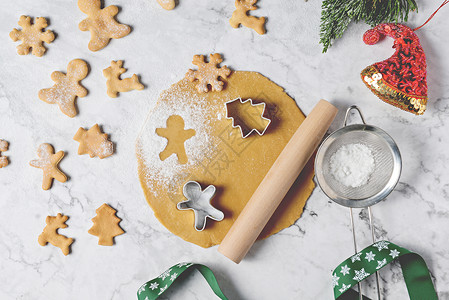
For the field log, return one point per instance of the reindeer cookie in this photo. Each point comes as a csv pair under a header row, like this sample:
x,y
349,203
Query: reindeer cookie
x,y
101,23
67,87
48,161
51,235
117,85
240,16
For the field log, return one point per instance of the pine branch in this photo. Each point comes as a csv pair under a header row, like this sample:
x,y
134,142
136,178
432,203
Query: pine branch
x,y
336,15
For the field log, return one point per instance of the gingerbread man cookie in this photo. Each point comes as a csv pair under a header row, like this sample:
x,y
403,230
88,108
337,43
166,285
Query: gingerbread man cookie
x,y
101,23
176,136
48,161
67,87
94,142
3,159
115,84
32,36
208,73
51,235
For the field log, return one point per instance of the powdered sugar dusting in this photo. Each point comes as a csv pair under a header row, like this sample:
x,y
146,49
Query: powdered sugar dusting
x,y
194,110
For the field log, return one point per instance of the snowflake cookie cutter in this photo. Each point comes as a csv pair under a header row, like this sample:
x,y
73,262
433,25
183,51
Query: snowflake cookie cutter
x,y
198,200
237,122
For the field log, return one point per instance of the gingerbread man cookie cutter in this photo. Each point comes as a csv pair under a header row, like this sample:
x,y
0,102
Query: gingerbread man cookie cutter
x,y
199,200
237,122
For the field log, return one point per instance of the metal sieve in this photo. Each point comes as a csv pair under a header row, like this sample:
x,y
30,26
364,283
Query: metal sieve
x,y
382,181
387,160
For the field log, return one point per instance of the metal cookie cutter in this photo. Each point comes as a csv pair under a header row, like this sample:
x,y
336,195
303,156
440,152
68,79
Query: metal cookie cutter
x,y
244,129
199,201
381,183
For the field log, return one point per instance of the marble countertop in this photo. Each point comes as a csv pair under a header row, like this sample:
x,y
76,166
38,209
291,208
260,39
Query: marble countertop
x,y
294,264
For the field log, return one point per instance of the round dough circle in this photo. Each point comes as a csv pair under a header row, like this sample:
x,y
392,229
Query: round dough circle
x,y
218,155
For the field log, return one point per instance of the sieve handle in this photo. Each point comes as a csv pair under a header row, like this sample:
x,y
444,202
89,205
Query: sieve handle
x,y
349,110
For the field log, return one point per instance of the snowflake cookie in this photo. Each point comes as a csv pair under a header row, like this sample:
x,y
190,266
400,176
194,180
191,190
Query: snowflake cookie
x,y
32,36
48,161
67,87
101,23
94,142
240,16
51,235
3,159
208,73
115,84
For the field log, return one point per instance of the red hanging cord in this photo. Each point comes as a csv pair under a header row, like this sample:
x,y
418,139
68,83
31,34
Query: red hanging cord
x,y
432,15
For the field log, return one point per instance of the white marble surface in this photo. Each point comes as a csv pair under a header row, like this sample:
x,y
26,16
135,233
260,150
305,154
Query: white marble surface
x,y
294,264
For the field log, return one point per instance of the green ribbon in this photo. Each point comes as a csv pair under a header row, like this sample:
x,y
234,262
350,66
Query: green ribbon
x,y
373,258
152,289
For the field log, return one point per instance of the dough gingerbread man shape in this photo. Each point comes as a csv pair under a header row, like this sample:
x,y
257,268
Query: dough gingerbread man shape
x,y
208,73
106,225
51,235
115,84
240,16
67,87
101,23
94,142
176,135
48,161
3,159
32,36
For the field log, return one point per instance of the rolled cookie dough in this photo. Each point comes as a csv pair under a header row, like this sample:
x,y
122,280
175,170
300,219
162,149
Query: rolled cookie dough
x,y
218,155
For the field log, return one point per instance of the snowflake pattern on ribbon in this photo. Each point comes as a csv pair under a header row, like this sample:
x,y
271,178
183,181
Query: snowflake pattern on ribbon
x,y
345,270
363,264
152,289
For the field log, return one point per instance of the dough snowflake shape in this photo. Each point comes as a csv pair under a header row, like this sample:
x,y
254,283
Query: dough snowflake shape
x,y
101,23
115,84
176,136
48,161
199,201
32,36
51,235
94,142
208,73
241,17
67,87
3,159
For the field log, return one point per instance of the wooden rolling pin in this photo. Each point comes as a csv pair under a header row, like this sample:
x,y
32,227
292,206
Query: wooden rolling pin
x,y
277,182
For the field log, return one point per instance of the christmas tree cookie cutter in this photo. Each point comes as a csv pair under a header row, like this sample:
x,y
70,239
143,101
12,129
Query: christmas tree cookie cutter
x,y
198,200
238,122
